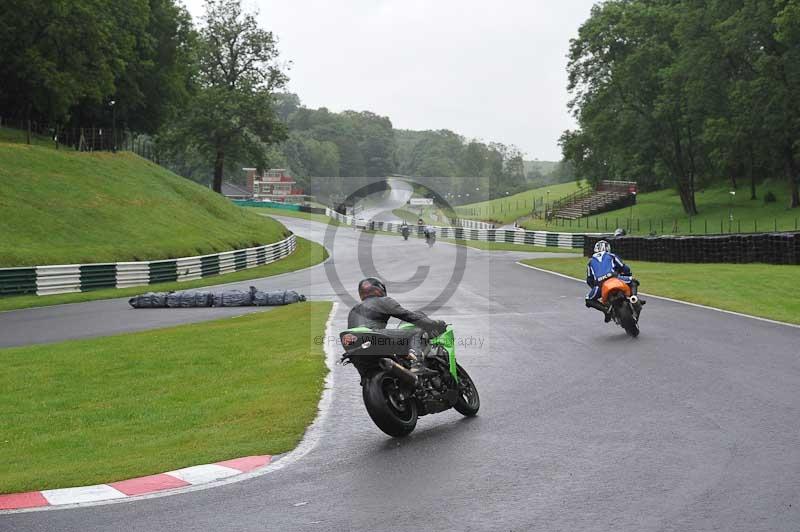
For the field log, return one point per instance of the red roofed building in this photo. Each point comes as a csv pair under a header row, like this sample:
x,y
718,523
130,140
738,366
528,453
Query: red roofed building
x,y
273,185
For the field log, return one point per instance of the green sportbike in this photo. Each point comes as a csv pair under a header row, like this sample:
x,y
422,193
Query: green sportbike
x,y
397,390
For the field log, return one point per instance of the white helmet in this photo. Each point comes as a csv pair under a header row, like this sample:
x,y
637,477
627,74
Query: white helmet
x,y
602,247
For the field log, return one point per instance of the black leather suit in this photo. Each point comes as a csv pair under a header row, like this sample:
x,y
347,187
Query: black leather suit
x,y
375,312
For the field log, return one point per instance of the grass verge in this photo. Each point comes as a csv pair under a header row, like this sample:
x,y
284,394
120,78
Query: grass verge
x,y
765,290
509,208
506,246
93,411
720,212
266,211
306,254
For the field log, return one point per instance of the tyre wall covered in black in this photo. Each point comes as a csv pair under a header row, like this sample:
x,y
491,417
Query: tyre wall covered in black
x,y
771,248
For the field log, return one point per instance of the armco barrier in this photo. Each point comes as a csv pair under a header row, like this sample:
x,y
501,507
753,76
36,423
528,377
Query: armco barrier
x,y
511,236
472,224
61,279
770,248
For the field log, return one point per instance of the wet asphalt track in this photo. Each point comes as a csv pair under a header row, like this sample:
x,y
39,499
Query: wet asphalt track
x,y
692,426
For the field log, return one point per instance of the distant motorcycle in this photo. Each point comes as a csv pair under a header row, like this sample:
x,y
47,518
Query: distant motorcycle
x,y
430,237
625,306
405,231
395,390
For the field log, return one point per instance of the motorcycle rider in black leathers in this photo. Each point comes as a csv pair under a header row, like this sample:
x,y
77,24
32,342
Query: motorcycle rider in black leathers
x,y
376,308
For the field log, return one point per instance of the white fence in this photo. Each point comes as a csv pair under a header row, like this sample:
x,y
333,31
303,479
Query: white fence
x,y
61,279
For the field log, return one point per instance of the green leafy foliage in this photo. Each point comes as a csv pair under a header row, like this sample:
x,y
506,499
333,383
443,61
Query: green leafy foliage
x,y
683,92
65,61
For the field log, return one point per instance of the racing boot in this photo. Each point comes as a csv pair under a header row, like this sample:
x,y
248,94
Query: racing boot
x,y
593,303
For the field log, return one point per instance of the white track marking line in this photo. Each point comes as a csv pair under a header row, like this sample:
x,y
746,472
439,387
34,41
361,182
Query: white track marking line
x,y
698,305
100,492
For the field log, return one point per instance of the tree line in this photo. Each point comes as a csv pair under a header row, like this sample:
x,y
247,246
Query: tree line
x,y
210,97
352,144
205,92
683,92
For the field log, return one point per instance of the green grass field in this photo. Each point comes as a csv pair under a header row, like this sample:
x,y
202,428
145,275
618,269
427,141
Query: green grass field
x,y
268,212
93,411
505,246
65,207
306,254
427,212
510,208
661,213
765,290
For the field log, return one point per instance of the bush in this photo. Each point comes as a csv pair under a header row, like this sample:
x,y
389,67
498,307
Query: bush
x,y
769,197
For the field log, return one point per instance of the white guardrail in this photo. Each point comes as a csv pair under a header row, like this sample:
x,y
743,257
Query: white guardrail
x,y
510,236
61,279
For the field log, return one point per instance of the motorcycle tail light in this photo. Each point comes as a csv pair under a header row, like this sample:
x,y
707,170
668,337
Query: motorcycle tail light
x,y
349,339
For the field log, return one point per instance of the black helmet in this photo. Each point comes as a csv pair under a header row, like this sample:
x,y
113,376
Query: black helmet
x,y
371,287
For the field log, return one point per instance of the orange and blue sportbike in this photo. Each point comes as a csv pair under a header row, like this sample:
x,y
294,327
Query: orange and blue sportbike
x,y
623,305
613,289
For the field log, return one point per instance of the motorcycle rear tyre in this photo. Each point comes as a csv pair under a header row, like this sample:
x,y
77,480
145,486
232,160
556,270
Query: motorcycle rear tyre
x,y
394,422
627,320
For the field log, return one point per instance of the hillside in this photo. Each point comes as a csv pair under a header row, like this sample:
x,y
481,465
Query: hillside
x,y
508,209
62,207
661,212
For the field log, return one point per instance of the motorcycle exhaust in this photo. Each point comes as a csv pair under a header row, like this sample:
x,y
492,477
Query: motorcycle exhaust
x,y
398,371
634,299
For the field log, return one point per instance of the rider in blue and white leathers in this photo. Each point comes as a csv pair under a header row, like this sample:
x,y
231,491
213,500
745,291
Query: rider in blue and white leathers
x,y
603,265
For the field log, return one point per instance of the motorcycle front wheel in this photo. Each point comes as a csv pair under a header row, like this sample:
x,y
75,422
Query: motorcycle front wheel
x,y
469,402
390,406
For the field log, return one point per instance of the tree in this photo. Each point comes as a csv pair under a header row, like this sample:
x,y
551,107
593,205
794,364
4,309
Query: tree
x,y
632,100
232,114
157,79
686,91
56,54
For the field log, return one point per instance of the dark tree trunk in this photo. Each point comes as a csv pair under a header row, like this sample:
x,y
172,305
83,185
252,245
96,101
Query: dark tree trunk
x,y
752,170
28,124
686,193
683,170
219,164
792,175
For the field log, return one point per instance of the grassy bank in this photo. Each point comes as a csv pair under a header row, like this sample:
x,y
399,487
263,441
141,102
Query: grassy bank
x,y
510,208
93,411
765,290
426,215
306,254
661,213
66,207
505,246
266,211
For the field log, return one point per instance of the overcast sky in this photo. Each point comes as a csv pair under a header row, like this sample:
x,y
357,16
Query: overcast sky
x,y
488,70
